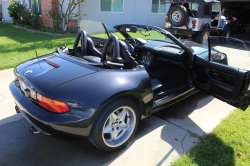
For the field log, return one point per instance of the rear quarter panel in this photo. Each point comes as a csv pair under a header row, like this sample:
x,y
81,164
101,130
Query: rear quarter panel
x,y
99,89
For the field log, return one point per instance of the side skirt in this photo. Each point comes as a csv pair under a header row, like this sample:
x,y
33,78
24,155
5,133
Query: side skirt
x,y
171,99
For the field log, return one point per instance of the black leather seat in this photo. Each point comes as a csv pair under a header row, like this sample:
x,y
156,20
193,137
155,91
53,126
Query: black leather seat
x,y
128,60
157,86
87,50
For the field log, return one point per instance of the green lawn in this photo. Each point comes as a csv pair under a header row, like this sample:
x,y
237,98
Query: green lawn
x,y
228,144
16,45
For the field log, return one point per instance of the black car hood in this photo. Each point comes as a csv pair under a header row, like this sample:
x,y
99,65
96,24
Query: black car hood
x,y
43,76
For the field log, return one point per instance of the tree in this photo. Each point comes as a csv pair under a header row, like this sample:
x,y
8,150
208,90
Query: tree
x,y
68,15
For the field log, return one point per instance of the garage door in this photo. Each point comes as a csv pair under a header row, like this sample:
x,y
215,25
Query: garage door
x,y
5,10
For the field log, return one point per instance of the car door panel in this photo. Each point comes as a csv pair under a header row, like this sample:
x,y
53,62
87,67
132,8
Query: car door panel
x,y
224,82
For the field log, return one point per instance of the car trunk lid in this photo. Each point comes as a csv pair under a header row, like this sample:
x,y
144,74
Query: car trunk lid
x,y
47,72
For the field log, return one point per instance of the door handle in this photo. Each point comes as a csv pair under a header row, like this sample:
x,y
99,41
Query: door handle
x,y
101,45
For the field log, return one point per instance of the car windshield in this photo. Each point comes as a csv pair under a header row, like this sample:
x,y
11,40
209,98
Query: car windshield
x,y
145,33
98,29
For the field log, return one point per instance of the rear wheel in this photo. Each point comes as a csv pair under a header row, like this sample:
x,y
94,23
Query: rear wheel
x,y
202,36
115,125
178,15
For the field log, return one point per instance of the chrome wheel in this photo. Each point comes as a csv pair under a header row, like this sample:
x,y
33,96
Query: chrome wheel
x,y
205,37
176,16
119,126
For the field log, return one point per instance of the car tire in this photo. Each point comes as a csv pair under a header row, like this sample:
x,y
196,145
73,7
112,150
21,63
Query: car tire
x,y
226,32
200,37
178,15
106,127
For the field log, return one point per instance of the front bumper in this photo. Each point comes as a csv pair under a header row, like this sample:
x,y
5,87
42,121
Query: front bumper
x,y
63,126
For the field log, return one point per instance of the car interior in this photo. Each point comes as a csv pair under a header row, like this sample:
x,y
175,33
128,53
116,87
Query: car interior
x,y
166,64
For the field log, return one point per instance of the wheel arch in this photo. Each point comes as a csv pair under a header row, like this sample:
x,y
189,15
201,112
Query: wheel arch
x,y
129,96
205,25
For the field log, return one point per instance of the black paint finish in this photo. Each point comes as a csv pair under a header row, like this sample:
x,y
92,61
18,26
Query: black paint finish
x,y
76,82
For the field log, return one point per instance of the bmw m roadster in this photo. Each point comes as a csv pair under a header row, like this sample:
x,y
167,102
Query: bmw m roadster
x,y
102,87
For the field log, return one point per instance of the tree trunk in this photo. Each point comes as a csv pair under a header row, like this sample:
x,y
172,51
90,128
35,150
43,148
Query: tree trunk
x,y
63,24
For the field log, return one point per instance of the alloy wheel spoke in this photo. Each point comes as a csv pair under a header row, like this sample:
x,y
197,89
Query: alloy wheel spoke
x,y
123,115
115,134
114,117
123,127
108,129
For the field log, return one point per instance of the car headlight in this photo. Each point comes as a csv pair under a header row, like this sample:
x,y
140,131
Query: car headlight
x,y
219,56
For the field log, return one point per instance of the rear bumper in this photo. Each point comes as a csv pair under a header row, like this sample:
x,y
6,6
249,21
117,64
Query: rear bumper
x,y
183,32
64,126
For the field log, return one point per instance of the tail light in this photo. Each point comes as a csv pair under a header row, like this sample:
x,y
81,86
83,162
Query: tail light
x,y
52,105
219,56
193,21
166,19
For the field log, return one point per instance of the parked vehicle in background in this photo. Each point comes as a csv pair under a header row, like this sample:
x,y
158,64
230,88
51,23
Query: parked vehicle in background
x,y
197,19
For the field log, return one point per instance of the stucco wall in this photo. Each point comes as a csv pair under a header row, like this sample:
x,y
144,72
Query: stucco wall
x,y
134,11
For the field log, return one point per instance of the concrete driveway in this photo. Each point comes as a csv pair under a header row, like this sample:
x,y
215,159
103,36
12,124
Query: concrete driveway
x,y
159,140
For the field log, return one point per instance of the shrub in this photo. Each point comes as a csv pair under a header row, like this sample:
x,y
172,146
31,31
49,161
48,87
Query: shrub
x,y
30,19
14,8
55,16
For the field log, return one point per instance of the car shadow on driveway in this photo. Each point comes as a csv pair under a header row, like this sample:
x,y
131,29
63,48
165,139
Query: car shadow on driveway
x,y
156,142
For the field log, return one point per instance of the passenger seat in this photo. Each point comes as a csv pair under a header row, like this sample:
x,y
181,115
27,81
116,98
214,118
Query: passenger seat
x,y
87,50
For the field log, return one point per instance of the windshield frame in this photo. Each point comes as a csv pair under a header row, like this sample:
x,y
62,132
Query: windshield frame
x,y
158,29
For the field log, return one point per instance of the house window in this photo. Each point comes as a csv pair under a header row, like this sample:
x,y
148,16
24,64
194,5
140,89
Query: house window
x,y
158,6
111,6
35,6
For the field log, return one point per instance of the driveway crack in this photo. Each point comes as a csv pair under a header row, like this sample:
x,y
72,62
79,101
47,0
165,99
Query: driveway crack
x,y
178,126
183,140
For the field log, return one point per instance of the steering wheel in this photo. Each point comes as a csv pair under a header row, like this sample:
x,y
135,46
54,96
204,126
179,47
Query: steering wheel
x,y
131,44
115,51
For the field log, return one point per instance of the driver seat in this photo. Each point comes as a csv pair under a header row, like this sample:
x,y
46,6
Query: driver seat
x,y
87,50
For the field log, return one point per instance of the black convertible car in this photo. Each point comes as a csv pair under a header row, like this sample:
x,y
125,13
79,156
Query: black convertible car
x,y
101,88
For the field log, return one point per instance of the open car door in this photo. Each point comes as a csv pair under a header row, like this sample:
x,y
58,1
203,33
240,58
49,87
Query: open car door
x,y
221,68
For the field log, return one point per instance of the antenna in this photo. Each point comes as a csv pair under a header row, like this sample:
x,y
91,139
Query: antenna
x,y
34,45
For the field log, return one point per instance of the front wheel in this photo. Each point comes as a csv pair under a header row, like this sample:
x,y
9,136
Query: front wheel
x,y
115,125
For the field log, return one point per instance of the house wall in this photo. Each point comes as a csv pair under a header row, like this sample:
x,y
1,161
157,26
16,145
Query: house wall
x,y
134,11
47,5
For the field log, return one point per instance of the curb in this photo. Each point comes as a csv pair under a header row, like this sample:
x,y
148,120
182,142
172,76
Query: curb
x,y
47,33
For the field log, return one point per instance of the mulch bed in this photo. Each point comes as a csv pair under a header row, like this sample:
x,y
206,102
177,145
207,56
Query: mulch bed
x,y
47,33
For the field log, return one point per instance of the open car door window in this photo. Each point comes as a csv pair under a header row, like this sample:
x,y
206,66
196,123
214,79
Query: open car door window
x,y
96,31
221,68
